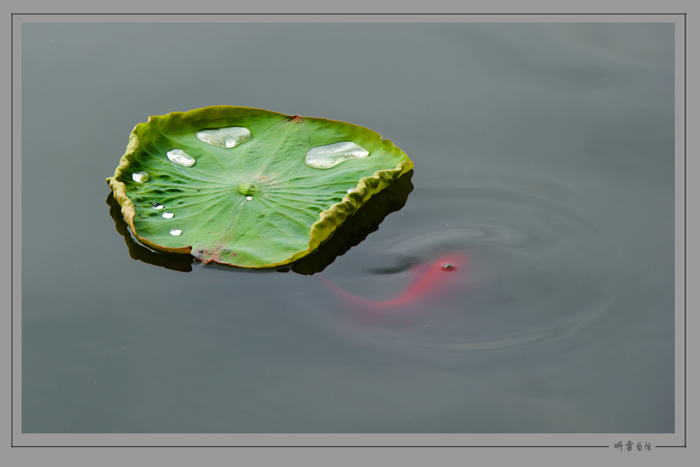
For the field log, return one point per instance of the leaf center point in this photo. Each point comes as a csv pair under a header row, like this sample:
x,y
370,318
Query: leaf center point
x,y
247,189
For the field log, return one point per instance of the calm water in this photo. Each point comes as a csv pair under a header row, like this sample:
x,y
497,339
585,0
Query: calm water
x,y
544,155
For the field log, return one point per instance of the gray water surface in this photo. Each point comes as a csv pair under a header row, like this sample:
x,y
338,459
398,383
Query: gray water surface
x,y
544,154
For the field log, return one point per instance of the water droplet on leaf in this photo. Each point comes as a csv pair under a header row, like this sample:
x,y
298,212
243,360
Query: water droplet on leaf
x,y
330,155
157,206
225,137
175,232
168,215
140,177
180,157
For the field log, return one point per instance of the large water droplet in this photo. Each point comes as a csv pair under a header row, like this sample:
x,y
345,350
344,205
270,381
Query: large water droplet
x,y
140,177
249,198
180,157
175,232
168,215
225,137
330,155
157,205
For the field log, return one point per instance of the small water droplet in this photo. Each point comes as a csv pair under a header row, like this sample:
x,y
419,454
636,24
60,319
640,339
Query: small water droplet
x,y
157,206
175,232
447,266
330,155
225,137
249,198
168,215
180,157
140,177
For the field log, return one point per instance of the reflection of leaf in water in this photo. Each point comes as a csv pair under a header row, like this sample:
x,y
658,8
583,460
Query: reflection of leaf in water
x,y
404,264
248,187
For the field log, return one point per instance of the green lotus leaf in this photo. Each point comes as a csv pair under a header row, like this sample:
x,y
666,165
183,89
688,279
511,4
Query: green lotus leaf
x,y
248,187
172,261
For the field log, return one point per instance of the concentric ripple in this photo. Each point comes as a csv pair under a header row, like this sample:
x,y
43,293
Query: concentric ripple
x,y
537,271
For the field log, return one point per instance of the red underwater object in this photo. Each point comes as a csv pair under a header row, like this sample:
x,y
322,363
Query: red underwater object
x,y
426,280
